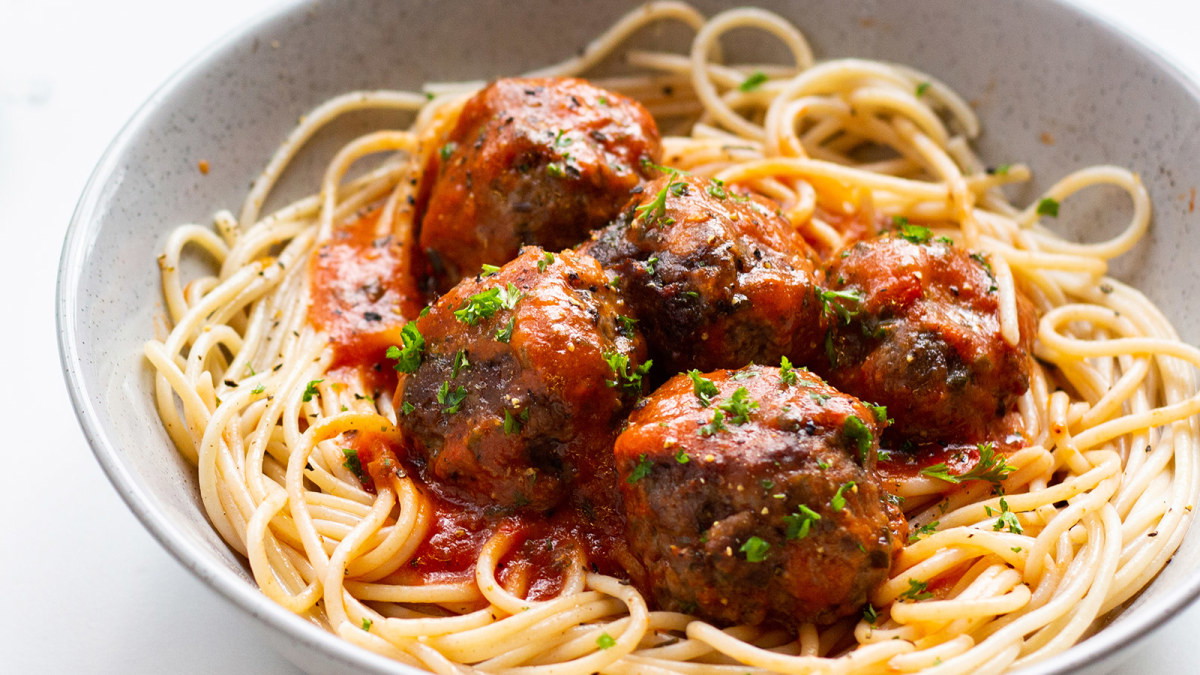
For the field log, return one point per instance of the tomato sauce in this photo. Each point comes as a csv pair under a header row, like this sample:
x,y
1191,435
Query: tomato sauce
x,y
361,291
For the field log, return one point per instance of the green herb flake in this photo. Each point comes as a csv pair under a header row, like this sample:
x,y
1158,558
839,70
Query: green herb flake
x,y
353,463
451,400
447,150
367,623
311,390
754,81
487,270
504,333
755,549
1048,207
259,389
990,467
408,358
1007,520
682,457
547,260
835,303
513,423
602,100
787,372
838,502
922,88
923,531
605,641
555,169
703,387
716,189
870,614
880,413
739,406
640,470
916,591
858,433
628,379
651,265
717,424
406,408
799,524
917,234
460,363
1001,170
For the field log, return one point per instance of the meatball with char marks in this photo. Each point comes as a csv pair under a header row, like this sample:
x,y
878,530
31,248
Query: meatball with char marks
x,y
525,375
717,279
750,495
915,325
531,161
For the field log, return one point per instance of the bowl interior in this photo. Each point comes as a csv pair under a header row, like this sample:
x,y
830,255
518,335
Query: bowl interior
x,y
1053,88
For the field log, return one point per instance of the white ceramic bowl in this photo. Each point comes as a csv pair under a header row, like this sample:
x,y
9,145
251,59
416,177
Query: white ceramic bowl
x,y
1030,67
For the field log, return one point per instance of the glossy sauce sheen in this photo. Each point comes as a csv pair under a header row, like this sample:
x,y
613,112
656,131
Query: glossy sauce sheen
x,y
361,291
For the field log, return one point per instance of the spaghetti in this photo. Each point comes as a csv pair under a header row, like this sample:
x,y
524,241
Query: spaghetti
x,y
252,393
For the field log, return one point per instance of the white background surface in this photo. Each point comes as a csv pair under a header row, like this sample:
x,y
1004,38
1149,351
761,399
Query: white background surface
x,y
83,588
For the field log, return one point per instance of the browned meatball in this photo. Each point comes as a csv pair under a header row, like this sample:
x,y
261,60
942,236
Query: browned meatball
x,y
915,326
531,161
750,495
524,376
717,279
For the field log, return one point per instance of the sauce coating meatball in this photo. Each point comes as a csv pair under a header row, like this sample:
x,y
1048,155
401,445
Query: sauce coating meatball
x,y
717,279
531,161
915,326
524,376
750,495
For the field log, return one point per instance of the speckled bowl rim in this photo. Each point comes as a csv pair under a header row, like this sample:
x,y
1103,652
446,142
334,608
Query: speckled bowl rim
x,y
1122,635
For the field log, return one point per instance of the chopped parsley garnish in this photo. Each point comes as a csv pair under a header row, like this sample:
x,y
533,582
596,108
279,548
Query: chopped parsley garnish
x,y
547,259
703,387
640,470
682,457
1007,520
451,400
1001,170
716,189
787,372
834,302
838,502
486,303
311,390
990,467
880,413
504,333
870,614
605,641
739,406
916,591
409,358
626,325
487,270
754,81
655,210
602,100
1048,207
561,139
406,408
917,234
367,623
460,363
651,265
858,433
630,380
556,169
755,549
717,424
353,463
259,389
513,423
923,531
922,88
799,524
447,150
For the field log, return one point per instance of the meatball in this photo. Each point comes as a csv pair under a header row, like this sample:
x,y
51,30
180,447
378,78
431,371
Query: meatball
x,y
531,161
915,326
524,375
750,495
717,279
